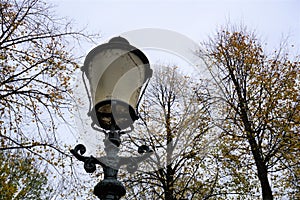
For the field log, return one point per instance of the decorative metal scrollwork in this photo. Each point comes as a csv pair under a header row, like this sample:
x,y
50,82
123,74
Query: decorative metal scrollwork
x,y
110,163
89,162
144,149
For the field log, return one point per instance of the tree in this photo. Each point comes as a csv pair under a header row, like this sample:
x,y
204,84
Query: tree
x,y
176,126
259,109
21,178
36,66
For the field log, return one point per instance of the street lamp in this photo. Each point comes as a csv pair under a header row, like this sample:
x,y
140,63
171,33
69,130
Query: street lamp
x,y
118,74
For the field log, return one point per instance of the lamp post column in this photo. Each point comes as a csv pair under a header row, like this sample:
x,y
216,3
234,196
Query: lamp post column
x,y
110,188
118,74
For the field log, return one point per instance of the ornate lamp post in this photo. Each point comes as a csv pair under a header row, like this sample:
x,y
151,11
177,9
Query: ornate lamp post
x,y
117,73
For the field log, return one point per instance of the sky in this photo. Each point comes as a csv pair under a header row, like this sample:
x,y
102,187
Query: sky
x,y
196,19
176,22
165,25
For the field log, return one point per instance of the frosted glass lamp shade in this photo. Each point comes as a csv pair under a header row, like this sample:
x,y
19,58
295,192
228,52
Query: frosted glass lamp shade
x,y
117,73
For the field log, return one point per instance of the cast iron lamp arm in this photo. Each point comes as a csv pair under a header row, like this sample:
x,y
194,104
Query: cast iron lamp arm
x,y
89,162
133,162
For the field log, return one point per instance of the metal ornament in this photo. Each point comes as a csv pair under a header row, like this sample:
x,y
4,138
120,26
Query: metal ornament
x,y
110,187
118,74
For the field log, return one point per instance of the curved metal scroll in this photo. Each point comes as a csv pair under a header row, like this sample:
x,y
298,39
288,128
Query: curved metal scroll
x,y
132,162
89,162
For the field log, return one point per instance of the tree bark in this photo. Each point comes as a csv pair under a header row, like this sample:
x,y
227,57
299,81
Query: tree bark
x,y
262,170
169,192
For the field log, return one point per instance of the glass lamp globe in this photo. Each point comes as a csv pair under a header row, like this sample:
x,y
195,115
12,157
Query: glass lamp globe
x,y
117,73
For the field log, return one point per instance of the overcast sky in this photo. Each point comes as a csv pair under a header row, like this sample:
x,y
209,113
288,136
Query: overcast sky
x,y
196,20
271,19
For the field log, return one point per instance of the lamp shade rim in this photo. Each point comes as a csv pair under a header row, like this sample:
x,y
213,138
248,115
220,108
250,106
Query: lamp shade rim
x,y
118,43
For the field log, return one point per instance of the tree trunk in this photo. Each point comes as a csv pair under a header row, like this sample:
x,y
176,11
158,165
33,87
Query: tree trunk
x,y
262,171
169,192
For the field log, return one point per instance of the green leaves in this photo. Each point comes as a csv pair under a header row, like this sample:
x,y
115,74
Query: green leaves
x,y
20,177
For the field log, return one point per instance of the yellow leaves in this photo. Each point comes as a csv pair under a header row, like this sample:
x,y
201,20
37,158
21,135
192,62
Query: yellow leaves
x,y
35,76
17,175
261,93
